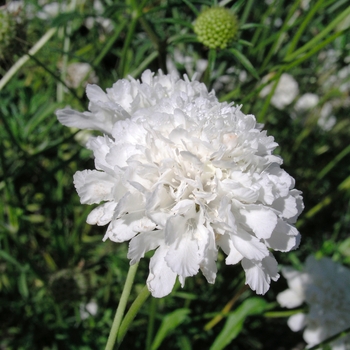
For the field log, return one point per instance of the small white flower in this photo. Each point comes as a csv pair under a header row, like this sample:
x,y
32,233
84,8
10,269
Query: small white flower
x,y
286,91
89,309
306,102
79,73
180,173
326,121
324,285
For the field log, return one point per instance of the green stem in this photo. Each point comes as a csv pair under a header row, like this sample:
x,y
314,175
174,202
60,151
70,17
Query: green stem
x,y
129,317
278,314
121,307
150,329
210,67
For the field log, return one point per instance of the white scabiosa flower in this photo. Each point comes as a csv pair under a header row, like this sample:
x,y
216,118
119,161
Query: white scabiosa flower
x,y
286,90
324,285
180,173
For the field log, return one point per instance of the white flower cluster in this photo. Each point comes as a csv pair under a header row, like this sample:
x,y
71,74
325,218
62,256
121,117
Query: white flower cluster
x,y
324,285
183,174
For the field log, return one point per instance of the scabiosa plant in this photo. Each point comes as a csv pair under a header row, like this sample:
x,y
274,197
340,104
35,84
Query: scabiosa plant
x,y
180,173
324,286
216,27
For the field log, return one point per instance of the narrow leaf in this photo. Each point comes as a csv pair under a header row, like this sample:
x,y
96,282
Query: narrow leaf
x,y
245,62
235,321
170,322
22,285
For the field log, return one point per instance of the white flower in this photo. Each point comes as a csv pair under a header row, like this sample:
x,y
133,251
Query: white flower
x,y
79,73
326,121
306,102
51,10
324,285
286,91
105,23
183,174
87,310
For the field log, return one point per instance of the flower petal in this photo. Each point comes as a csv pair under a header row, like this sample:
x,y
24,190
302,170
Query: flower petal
x,y
86,120
161,278
289,299
284,237
260,273
226,244
144,242
93,186
249,246
297,322
261,220
183,257
125,228
102,215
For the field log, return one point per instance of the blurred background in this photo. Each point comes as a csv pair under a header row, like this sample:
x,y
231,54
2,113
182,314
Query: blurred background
x,y
289,65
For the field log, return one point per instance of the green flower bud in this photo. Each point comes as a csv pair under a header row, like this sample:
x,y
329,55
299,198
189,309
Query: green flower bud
x,y
216,27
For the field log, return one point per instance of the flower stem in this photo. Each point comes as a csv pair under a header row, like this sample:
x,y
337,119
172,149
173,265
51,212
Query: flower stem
x,y
129,317
210,67
150,329
121,307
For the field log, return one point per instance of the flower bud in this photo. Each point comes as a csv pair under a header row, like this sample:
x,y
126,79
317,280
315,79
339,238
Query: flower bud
x,y
216,27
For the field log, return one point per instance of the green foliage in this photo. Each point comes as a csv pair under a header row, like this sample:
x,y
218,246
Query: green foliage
x,y
52,264
169,323
235,321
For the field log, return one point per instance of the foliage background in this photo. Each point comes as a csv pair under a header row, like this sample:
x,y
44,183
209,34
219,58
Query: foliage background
x,y
52,263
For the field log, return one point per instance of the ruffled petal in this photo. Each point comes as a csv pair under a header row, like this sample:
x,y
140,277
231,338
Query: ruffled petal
x,y
144,242
208,253
94,186
260,273
161,278
260,219
284,237
86,120
125,228
249,246
101,146
183,257
226,244
102,215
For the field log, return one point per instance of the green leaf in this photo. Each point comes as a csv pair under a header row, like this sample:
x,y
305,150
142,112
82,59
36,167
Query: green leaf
x,y
244,42
6,256
245,62
235,321
22,285
184,343
170,322
317,39
192,7
253,25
